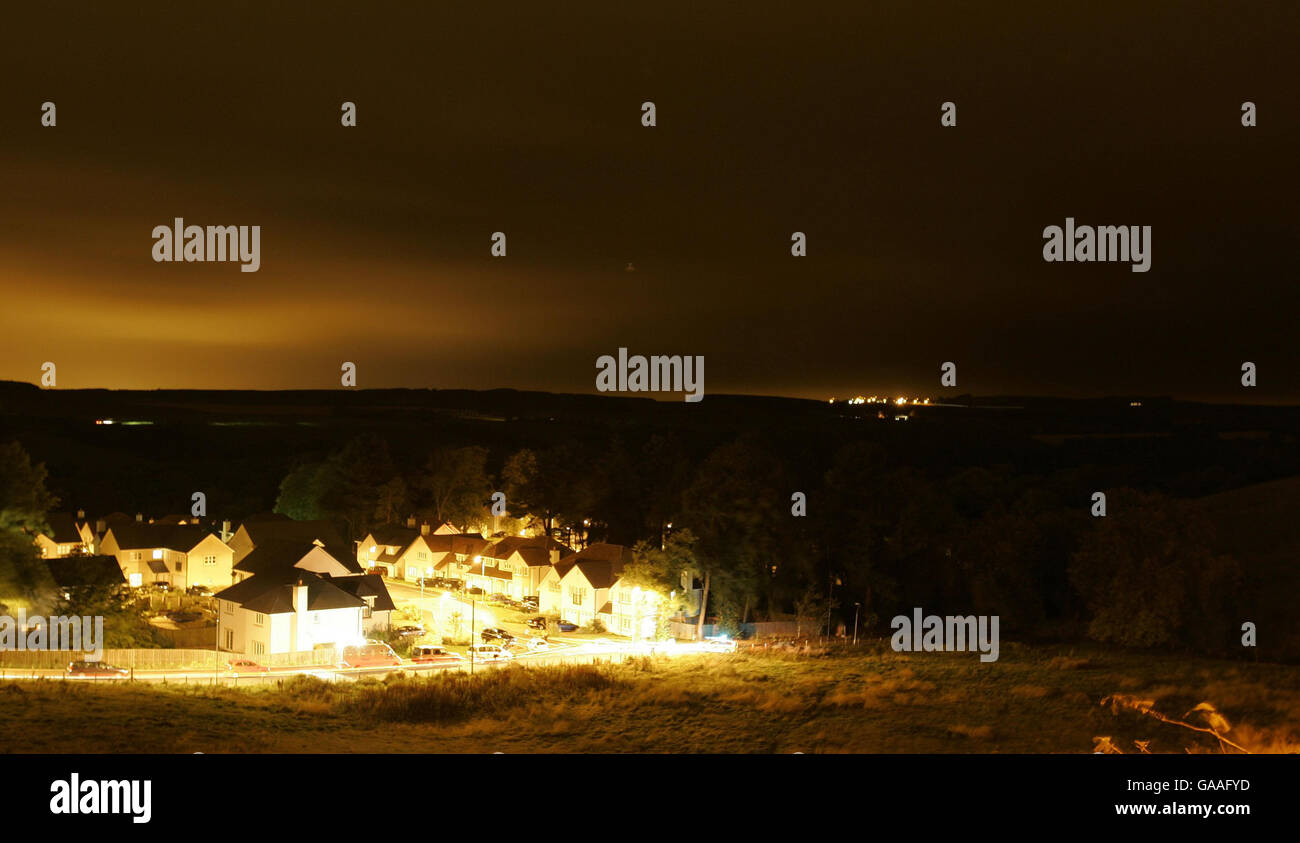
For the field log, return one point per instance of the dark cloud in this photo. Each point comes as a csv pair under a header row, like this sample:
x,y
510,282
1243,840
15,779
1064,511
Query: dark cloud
x,y
924,243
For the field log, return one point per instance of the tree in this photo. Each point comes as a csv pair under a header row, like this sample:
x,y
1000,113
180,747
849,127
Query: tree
x,y
809,608
391,502
302,491
737,508
662,570
1147,575
24,503
455,485
555,484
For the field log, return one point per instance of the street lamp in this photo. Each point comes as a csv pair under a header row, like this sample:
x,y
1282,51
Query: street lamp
x,y
856,608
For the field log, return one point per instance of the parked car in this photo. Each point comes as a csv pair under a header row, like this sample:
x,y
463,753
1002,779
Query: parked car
x,y
238,666
409,631
529,604
474,590
96,670
370,654
718,644
493,634
537,623
428,654
453,583
489,653
538,644
566,626
199,591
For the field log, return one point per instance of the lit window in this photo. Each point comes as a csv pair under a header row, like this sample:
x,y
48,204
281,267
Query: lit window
x,y
259,619
157,554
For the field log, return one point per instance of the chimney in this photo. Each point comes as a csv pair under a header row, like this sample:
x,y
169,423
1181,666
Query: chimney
x,y
81,515
424,528
410,521
555,555
139,518
101,527
300,597
225,531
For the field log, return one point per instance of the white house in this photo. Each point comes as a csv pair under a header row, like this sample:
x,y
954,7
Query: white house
x,y
254,531
578,586
296,596
67,536
526,560
180,555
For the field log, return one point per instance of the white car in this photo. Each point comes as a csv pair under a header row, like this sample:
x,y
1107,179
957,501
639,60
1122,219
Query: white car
x,y
489,653
718,644
538,644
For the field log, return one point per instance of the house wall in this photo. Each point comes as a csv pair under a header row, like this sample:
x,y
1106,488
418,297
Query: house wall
x,y
633,607
232,636
549,593
219,573
339,627
582,609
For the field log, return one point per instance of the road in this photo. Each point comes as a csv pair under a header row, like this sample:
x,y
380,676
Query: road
x,y
437,609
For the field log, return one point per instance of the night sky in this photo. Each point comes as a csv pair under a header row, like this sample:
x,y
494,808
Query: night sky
x,y
924,242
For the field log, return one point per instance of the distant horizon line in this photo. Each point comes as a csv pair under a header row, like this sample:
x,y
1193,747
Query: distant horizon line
x,y
935,401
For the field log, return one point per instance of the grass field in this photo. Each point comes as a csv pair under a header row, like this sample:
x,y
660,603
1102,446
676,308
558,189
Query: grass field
x,y
1034,699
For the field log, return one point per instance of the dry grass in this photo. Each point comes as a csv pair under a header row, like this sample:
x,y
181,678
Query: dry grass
x,y
873,700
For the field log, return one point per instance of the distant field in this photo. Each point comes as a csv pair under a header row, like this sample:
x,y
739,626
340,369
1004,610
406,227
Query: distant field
x,y
1036,700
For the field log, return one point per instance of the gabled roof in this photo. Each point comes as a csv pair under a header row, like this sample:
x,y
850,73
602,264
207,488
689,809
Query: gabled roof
x,y
394,535
63,528
535,550
79,571
279,556
327,532
601,563
466,544
272,594
367,585
178,537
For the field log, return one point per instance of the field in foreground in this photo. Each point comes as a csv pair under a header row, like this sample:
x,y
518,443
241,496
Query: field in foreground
x,y
1034,699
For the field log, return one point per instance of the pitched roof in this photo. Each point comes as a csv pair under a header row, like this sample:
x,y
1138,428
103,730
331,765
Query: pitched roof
x,y
77,571
279,556
600,563
395,535
272,593
367,585
535,550
327,532
178,537
63,528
